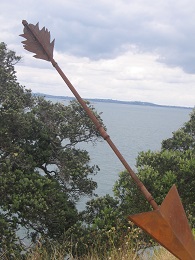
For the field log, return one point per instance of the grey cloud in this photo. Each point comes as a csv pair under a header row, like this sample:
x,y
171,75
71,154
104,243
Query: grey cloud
x,y
101,32
102,29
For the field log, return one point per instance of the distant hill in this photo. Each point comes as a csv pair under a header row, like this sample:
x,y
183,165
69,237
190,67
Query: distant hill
x,y
139,103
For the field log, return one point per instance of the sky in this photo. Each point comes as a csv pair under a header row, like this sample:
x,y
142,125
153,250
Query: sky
x,y
131,50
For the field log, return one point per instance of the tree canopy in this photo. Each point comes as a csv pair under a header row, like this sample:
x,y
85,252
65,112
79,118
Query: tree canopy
x,y
42,171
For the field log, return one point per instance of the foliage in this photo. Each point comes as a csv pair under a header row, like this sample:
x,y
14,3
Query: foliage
x,y
42,170
103,228
173,164
103,242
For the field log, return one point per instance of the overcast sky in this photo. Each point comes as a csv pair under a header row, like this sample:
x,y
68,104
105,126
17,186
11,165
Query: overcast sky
x,y
136,50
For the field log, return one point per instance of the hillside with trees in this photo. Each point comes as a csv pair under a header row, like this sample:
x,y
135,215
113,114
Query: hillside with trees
x,y
43,174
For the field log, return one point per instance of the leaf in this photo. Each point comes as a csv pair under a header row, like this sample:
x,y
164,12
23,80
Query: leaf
x,y
38,41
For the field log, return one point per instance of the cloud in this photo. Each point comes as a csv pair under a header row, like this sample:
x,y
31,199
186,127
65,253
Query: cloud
x,y
134,50
130,76
101,29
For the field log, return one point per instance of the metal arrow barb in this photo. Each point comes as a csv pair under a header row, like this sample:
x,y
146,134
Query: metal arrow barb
x,y
169,226
167,223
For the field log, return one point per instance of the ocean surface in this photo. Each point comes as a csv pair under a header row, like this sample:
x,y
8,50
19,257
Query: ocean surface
x,y
132,128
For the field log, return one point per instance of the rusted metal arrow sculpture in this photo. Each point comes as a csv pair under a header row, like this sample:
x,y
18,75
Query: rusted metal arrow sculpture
x,y
167,223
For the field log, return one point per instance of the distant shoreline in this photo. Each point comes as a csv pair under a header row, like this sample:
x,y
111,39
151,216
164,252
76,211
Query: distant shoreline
x,y
138,103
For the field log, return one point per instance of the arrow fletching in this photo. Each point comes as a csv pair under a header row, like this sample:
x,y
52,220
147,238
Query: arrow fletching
x,y
38,41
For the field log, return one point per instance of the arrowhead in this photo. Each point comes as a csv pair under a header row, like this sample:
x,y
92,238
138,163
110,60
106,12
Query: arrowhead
x,y
169,226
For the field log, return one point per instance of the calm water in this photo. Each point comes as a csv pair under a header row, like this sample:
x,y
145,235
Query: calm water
x,y
133,129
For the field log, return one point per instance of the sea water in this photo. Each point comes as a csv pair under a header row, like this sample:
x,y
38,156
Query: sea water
x,y
132,128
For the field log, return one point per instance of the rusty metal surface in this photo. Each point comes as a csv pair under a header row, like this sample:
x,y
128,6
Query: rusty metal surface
x,y
169,226
38,42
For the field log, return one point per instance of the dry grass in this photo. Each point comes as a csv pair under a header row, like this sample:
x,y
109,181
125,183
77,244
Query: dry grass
x,y
116,254
126,252
163,254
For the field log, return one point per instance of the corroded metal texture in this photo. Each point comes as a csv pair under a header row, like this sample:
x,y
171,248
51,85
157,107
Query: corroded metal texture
x,y
169,226
38,41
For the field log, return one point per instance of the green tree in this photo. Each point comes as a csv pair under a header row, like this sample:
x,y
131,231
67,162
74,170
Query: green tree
x,y
96,229
173,164
43,173
104,227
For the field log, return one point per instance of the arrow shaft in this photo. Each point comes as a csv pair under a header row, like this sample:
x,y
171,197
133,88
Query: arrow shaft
x,y
96,122
106,137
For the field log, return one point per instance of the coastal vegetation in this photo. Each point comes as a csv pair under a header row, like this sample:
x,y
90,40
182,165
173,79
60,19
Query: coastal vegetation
x,y
43,174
